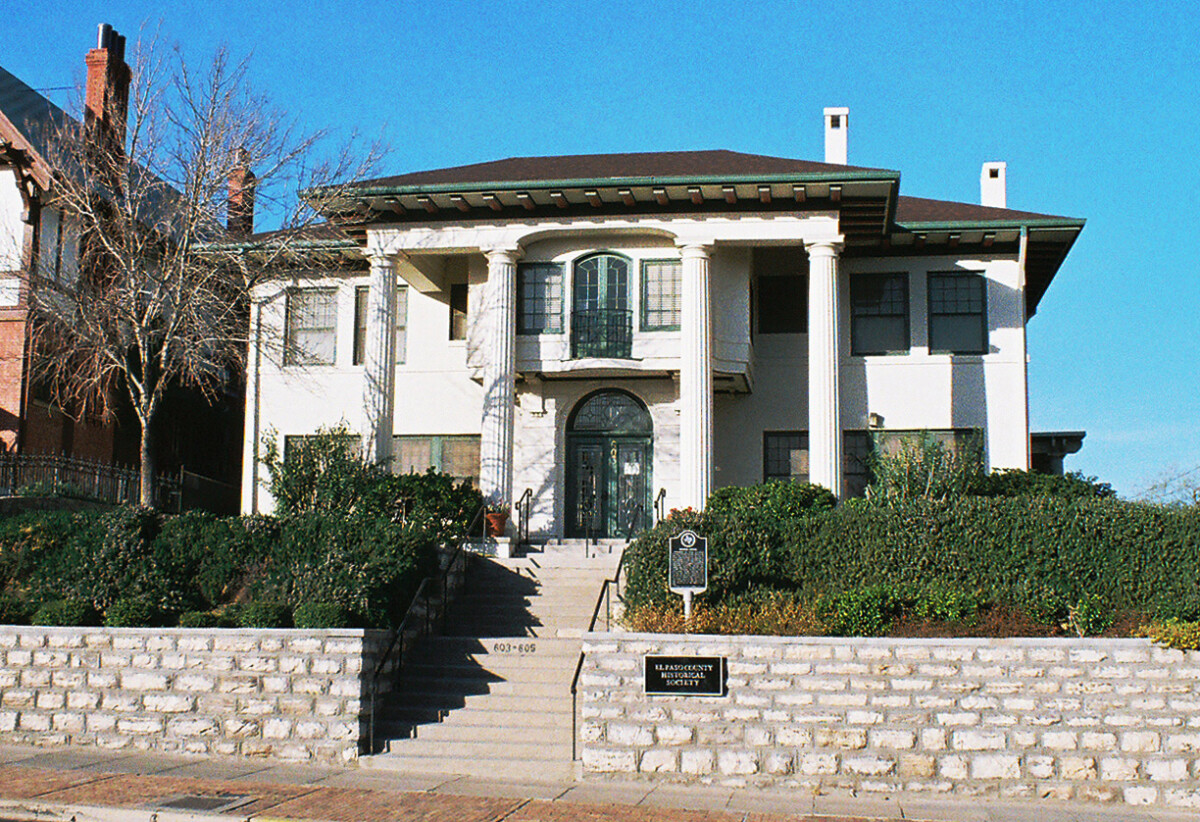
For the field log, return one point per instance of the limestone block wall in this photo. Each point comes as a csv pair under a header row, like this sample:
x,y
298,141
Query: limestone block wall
x,y
1098,720
296,695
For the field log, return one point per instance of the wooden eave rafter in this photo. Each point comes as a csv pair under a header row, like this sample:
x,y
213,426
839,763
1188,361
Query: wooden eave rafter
x,y
25,157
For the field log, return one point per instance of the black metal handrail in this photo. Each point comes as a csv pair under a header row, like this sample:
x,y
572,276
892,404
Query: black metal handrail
x,y
602,332
605,598
523,507
396,645
659,505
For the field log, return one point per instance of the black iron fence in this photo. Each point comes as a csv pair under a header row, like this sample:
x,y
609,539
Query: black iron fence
x,y
57,475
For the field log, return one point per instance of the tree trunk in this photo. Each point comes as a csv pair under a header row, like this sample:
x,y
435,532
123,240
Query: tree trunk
x,y
147,484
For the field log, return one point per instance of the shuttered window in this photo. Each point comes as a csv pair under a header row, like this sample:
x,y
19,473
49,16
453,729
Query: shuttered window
x,y
311,327
661,295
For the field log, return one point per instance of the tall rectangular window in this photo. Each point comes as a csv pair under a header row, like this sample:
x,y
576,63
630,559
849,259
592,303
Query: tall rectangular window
x,y
661,295
857,447
456,455
785,456
782,304
311,327
458,311
360,323
878,313
958,313
401,324
539,298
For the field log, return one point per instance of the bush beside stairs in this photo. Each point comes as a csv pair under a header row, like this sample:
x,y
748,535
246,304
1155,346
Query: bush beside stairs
x,y
491,696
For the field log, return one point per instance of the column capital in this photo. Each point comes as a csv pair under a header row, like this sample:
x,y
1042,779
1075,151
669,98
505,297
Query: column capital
x,y
381,260
695,250
507,253
825,248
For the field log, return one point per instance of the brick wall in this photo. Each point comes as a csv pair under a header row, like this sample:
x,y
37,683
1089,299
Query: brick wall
x,y
292,695
1096,720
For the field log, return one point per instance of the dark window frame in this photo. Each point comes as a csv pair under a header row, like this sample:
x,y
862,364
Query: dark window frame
x,y
291,356
966,276
861,313
804,445
552,321
644,309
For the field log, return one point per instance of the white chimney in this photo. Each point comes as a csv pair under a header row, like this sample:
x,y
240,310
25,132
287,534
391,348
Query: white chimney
x,y
837,123
992,189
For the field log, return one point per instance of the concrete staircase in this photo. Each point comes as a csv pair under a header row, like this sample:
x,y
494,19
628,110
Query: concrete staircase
x,y
492,696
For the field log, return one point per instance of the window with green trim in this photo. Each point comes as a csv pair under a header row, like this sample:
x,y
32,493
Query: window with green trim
x,y
958,313
661,295
456,455
311,327
878,314
539,298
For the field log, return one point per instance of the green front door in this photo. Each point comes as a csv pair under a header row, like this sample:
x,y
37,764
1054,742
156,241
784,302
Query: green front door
x,y
609,456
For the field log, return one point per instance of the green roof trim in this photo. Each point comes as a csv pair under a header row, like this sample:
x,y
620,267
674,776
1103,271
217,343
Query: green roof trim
x,y
608,182
951,225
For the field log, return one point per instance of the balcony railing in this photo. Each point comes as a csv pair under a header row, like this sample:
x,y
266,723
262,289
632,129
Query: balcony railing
x,y
602,332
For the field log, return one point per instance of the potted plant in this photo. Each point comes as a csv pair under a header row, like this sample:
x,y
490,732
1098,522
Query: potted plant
x,y
497,519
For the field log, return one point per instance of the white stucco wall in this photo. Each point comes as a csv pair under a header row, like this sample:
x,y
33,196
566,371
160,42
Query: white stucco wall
x,y
436,395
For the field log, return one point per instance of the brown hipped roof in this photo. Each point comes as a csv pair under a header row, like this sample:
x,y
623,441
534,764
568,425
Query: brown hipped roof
x,y
614,167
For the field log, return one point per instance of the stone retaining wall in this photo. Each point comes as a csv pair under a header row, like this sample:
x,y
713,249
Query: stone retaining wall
x,y
1091,719
296,695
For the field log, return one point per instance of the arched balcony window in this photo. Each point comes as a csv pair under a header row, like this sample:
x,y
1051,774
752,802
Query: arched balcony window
x,y
601,318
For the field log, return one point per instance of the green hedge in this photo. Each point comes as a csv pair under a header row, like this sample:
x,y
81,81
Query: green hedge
x,y
1059,558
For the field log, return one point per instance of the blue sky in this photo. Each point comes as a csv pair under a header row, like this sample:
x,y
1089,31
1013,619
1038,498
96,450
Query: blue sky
x,y
1094,109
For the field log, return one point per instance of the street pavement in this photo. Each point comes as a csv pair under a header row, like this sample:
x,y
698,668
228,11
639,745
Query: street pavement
x,y
86,785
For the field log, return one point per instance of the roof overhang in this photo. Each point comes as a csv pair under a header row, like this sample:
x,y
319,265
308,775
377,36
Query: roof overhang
x,y
865,199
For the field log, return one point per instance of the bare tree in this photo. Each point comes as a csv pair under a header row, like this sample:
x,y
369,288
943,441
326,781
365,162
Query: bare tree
x,y
159,189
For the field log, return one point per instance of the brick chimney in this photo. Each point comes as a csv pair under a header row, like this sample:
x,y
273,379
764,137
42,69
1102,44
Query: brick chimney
x,y
106,99
240,210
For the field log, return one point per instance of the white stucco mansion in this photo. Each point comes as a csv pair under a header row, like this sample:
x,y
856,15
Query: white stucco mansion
x,y
610,332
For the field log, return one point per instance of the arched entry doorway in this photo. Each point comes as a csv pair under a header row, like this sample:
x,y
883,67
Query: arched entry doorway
x,y
610,443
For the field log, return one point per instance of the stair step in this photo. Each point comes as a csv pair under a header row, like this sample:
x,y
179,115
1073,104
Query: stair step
x,y
546,735
479,750
483,701
454,687
466,672
398,718
499,768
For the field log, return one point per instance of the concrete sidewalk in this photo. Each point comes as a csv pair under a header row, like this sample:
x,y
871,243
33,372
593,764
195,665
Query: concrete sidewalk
x,y
86,785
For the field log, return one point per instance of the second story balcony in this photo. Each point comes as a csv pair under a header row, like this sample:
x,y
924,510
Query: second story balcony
x,y
602,333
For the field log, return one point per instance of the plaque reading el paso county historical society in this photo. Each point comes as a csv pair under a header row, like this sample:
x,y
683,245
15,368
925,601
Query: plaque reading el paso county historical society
x,y
687,566
685,675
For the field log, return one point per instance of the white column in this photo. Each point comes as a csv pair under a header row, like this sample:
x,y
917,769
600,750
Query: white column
x,y
824,399
379,361
499,376
695,381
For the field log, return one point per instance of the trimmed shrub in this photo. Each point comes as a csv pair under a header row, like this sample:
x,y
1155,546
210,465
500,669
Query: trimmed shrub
x,y
322,615
946,603
1015,483
263,615
867,611
66,612
13,611
200,619
370,565
1174,633
1091,616
132,613
215,554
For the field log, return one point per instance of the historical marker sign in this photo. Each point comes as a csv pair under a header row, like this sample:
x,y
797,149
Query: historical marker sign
x,y
687,566
685,675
